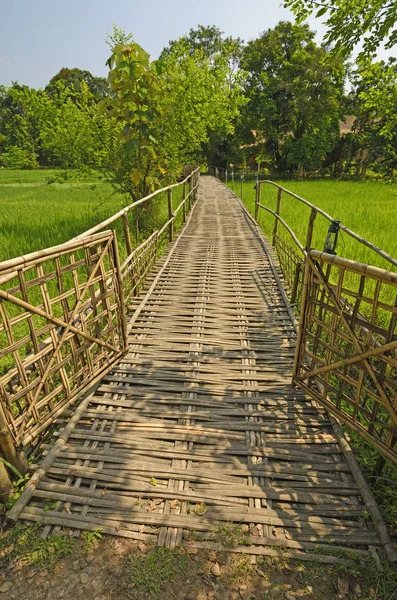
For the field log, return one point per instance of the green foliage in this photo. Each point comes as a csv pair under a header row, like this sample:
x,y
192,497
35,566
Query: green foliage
x,y
352,22
90,538
295,93
26,544
136,88
150,573
375,106
75,80
17,158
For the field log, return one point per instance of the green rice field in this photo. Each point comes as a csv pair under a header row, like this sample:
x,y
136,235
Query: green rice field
x,y
369,209
37,215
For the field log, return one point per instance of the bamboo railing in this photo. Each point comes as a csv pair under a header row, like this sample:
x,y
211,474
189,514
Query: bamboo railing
x,y
346,355
63,318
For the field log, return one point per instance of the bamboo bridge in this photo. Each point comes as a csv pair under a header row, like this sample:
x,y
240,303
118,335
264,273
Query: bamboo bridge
x,y
156,396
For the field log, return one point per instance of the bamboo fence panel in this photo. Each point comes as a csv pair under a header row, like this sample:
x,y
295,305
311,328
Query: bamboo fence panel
x,y
62,323
347,347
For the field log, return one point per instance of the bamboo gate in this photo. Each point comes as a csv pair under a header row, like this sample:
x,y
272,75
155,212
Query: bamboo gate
x,y
187,422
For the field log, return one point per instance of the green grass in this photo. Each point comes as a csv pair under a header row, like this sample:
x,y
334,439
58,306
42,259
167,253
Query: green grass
x,y
43,176
40,216
369,209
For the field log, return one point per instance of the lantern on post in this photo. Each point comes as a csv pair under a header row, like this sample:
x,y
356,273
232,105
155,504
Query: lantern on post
x,y
332,238
241,186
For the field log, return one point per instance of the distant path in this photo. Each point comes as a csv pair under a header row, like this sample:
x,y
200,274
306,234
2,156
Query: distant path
x,y
197,436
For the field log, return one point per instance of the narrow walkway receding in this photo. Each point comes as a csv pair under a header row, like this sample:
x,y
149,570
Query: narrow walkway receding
x,y
197,437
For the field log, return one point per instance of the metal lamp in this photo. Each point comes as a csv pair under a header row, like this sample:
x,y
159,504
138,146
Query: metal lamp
x,y
332,238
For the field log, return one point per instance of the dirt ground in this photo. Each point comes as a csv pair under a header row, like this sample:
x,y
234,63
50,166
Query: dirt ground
x,y
111,568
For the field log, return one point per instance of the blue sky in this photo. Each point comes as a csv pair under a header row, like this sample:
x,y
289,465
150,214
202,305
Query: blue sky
x,y
37,38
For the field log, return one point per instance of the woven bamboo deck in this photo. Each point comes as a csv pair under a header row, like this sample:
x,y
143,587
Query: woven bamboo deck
x,y
197,437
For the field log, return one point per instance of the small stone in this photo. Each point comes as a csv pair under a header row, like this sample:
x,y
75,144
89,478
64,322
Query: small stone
x,y
343,586
260,572
90,558
310,589
212,556
245,528
76,565
6,587
215,570
84,577
357,589
30,574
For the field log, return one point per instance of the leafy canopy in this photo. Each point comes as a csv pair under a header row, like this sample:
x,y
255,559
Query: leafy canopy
x,y
351,22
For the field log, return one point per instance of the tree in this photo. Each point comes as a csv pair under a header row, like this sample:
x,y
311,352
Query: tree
x,y
351,22
375,106
73,79
137,85
22,113
295,93
17,158
206,63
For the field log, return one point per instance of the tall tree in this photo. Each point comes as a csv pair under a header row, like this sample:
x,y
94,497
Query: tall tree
x,y
208,63
375,107
295,93
73,79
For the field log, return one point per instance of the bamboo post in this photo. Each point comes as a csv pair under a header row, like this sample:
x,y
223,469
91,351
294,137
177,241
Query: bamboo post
x,y
257,200
278,210
302,320
6,487
123,311
184,202
309,236
170,215
137,225
127,234
296,282
8,448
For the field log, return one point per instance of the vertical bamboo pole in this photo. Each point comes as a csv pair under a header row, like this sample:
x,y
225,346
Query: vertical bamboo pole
x,y
170,214
309,236
257,201
8,448
302,320
295,283
6,487
123,314
278,210
137,225
127,234
184,202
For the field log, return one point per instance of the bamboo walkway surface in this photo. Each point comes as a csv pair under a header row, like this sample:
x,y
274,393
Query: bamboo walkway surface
x,y
197,437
